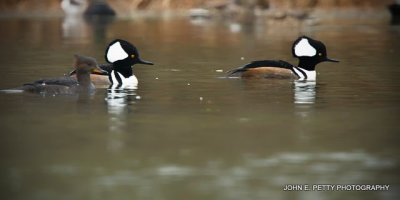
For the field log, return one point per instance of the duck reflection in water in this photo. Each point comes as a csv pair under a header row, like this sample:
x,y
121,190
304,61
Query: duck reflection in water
x,y
304,92
119,107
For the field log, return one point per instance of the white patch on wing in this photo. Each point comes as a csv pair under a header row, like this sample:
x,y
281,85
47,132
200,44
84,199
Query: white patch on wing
x,y
116,52
304,48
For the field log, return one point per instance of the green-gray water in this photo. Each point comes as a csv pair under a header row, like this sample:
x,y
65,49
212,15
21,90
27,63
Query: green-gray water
x,y
190,133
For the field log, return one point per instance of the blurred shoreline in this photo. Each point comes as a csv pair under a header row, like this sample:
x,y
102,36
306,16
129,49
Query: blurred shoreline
x,y
236,9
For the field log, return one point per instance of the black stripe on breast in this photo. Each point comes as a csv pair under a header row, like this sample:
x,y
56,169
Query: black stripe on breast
x,y
117,76
302,72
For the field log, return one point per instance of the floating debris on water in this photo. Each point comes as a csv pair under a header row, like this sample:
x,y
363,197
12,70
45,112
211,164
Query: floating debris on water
x,y
219,70
156,78
188,83
201,98
243,119
138,97
242,58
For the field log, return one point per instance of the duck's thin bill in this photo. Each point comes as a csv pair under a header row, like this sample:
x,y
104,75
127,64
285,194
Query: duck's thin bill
x,y
140,61
99,71
73,72
331,60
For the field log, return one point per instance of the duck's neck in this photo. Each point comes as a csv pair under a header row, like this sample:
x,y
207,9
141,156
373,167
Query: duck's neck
x,y
125,71
305,70
123,77
83,78
307,64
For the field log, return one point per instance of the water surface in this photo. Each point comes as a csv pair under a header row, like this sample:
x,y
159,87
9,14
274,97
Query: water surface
x,y
188,132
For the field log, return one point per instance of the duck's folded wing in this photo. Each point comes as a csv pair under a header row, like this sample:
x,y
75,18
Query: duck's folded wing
x,y
46,89
64,81
260,64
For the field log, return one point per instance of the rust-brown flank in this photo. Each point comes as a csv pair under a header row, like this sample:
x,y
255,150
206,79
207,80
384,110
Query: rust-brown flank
x,y
268,72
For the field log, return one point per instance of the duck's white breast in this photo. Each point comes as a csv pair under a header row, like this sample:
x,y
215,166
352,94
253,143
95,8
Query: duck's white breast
x,y
128,83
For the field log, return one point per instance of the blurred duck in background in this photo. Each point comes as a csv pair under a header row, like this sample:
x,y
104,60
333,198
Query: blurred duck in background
x,y
394,10
73,26
99,7
74,7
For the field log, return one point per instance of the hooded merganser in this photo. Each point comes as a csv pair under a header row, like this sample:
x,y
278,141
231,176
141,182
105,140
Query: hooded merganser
x,y
310,52
122,55
84,66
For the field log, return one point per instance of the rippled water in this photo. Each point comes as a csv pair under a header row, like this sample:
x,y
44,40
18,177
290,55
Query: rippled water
x,y
188,132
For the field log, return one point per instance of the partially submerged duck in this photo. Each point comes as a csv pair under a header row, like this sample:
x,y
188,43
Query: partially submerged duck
x,y
84,66
310,52
123,55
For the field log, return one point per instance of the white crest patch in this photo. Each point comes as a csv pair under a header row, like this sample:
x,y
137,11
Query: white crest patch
x,y
304,48
116,52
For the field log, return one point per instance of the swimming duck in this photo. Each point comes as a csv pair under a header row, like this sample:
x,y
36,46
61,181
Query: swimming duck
x,y
310,52
122,55
84,66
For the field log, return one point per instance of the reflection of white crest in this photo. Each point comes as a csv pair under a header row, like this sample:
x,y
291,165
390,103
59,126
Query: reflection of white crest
x,y
118,101
116,52
74,27
304,48
304,92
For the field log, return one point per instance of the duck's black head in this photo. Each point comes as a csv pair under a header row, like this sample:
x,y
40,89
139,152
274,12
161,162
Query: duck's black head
x,y
121,53
310,52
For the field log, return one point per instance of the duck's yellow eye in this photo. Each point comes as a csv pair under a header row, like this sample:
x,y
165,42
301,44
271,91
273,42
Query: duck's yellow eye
x,y
132,56
320,54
